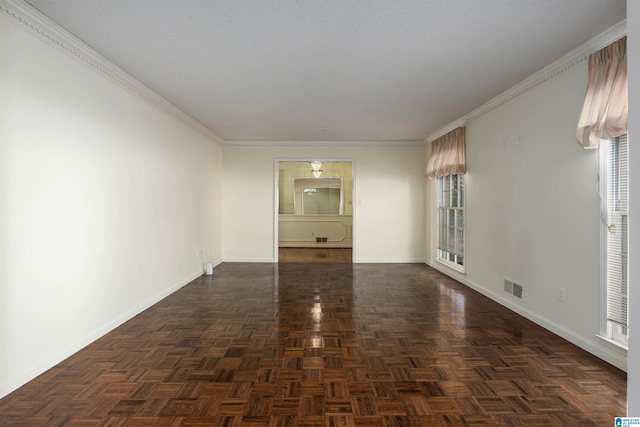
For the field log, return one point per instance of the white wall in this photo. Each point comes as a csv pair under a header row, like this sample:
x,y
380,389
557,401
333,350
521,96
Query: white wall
x,y
104,201
533,213
388,212
633,55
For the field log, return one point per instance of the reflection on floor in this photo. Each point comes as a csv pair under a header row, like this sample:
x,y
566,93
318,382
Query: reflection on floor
x,y
317,345
315,255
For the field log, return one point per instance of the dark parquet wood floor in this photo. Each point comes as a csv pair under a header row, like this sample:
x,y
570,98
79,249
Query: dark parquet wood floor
x,y
324,344
315,255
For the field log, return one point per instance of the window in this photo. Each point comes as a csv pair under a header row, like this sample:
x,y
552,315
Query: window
x,y
614,188
451,221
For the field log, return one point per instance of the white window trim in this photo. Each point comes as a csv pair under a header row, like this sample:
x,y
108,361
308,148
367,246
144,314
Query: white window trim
x,y
613,344
459,268
606,335
452,265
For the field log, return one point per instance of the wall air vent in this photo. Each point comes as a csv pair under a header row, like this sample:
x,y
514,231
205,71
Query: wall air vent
x,y
513,288
517,290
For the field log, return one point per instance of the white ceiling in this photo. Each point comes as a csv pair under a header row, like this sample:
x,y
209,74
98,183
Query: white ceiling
x,y
323,70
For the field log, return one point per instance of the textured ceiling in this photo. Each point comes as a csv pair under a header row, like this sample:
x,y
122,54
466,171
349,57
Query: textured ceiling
x,y
354,70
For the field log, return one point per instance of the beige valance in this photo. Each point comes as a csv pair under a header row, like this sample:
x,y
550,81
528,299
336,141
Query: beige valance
x,y
448,155
604,113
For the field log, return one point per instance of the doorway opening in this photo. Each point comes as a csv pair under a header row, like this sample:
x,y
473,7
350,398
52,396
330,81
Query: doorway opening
x,y
314,211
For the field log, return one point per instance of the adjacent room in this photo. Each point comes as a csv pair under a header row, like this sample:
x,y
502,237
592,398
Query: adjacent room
x,y
315,211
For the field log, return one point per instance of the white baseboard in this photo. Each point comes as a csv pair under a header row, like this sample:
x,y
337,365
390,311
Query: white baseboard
x,y
613,358
50,361
389,261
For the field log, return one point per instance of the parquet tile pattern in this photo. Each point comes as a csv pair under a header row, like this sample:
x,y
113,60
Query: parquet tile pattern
x,y
315,255
324,344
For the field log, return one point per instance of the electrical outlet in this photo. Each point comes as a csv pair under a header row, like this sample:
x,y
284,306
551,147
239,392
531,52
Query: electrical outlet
x,y
199,253
562,295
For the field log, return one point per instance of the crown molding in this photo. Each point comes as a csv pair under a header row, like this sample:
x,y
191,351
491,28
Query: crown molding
x,y
299,144
33,21
566,62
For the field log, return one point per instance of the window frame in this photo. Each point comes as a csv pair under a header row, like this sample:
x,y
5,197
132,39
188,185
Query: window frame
x,y
448,258
611,334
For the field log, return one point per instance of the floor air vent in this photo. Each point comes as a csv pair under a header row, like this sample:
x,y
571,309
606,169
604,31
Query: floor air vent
x,y
513,288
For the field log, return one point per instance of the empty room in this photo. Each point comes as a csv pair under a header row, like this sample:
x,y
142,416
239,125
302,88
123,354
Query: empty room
x,y
319,213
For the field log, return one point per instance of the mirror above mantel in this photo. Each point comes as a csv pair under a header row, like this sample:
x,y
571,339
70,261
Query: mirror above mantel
x,y
336,178
317,196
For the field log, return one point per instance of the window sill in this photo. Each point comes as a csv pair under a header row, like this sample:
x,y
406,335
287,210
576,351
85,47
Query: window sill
x,y
615,345
452,265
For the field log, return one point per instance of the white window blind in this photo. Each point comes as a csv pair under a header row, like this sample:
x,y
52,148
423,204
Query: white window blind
x,y
617,197
451,220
